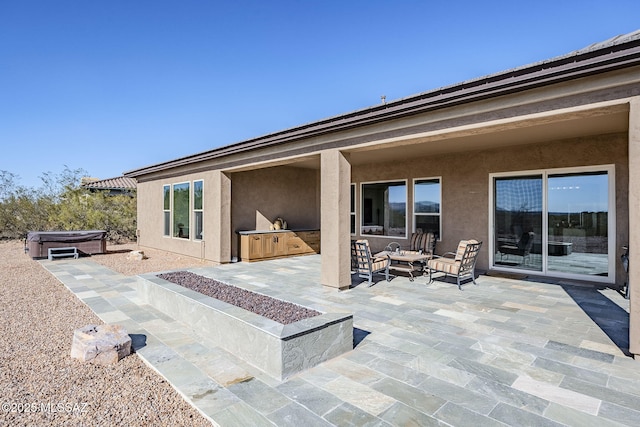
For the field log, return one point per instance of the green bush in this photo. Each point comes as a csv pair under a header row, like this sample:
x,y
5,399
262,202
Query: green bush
x,y
62,204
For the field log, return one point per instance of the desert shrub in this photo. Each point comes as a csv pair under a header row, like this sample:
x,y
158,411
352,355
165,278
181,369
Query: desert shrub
x,y
62,204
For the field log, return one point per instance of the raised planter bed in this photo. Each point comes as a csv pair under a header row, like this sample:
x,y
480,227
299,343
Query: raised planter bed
x,y
277,349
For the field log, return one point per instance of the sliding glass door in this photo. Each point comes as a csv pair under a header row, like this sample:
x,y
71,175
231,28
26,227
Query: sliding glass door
x,y
578,223
518,222
556,222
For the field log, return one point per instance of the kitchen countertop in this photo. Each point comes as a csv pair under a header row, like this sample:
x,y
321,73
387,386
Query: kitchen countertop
x,y
247,232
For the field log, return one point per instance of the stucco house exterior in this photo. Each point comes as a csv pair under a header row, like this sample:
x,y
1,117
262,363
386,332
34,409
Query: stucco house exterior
x,y
548,151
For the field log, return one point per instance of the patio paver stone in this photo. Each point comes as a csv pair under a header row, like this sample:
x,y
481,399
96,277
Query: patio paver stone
x,y
505,352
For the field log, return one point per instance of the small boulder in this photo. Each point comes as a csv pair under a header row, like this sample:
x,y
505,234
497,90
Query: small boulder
x,y
101,344
136,255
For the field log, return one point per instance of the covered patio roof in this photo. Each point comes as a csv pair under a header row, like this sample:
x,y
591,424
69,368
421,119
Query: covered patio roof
x,y
602,118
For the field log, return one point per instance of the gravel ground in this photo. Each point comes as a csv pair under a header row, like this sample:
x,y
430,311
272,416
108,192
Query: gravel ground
x,y
39,382
280,311
116,260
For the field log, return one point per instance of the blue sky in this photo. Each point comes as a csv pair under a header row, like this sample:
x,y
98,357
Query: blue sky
x,y
110,86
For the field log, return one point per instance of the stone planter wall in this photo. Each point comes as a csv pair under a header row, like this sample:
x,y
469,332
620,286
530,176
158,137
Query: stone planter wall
x,y
279,350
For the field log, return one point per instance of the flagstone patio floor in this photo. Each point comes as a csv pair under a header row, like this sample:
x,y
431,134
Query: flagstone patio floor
x,y
504,352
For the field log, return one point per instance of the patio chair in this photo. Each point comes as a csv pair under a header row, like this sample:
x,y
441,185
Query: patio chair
x,y
415,241
423,243
462,265
354,256
521,248
367,266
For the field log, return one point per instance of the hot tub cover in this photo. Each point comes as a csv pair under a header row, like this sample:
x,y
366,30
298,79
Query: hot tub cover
x,y
66,236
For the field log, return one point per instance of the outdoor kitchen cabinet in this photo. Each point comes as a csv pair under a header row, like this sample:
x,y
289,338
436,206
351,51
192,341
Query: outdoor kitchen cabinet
x,y
260,245
274,245
295,245
310,240
252,246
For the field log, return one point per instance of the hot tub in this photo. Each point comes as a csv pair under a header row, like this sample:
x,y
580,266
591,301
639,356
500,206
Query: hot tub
x,y
86,241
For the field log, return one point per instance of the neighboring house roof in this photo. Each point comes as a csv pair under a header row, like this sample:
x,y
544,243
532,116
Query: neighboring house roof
x,y
616,53
118,183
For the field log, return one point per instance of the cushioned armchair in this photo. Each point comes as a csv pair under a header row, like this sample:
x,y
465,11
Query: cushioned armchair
x,y
422,243
367,266
461,264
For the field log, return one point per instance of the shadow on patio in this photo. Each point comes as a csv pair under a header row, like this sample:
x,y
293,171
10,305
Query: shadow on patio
x,y
612,319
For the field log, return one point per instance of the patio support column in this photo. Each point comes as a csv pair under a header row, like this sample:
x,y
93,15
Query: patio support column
x,y
634,227
335,225
218,232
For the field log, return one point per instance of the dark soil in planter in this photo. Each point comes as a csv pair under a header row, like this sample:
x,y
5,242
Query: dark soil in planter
x,y
271,308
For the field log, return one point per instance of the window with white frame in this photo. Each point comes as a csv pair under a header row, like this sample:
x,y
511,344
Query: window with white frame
x,y
426,205
181,205
353,209
197,209
384,209
166,197
178,211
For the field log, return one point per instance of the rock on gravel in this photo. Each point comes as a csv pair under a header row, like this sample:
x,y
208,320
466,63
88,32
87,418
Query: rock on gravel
x,y
40,384
101,344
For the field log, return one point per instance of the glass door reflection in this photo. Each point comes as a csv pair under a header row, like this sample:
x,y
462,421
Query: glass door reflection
x,y
518,222
578,217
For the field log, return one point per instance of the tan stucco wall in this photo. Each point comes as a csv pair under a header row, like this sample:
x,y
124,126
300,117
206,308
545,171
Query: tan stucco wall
x,y
634,227
257,198
260,196
465,183
151,221
335,221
